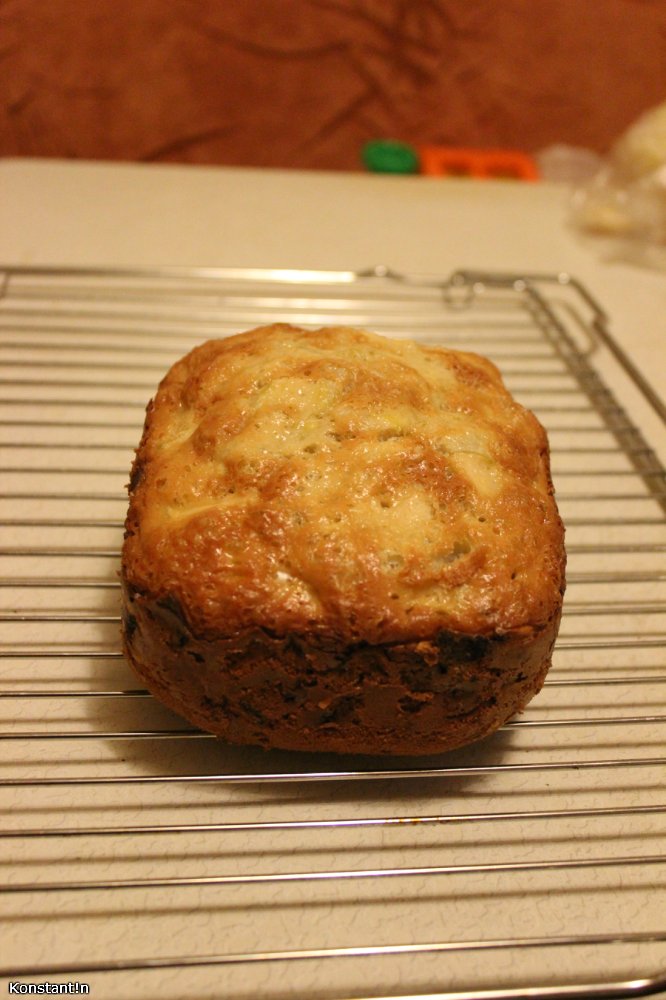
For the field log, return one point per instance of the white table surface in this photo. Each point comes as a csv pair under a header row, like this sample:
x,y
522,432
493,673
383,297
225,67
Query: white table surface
x,y
82,213
57,213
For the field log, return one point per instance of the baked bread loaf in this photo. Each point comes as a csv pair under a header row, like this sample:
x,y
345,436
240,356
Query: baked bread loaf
x,y
339,541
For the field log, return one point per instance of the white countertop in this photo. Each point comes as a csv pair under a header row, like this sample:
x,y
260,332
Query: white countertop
x,y
239,882
79,213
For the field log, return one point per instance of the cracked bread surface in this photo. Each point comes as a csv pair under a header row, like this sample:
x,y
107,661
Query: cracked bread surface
x,y
341,541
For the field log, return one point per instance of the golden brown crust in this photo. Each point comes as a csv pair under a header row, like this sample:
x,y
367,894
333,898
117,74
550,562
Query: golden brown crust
x,y
341,541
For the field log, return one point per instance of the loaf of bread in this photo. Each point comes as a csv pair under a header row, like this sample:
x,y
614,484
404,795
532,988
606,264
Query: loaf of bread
x,y
340,541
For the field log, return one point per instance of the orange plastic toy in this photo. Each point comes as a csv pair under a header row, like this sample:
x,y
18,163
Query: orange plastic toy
x,y
442,161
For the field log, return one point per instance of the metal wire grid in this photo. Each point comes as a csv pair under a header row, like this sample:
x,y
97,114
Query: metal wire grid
x,y
146,859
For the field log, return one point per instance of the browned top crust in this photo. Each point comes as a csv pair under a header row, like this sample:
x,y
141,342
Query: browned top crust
x,y
343,486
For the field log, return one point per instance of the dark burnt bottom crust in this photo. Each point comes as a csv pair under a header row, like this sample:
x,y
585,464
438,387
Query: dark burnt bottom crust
x,y
293,694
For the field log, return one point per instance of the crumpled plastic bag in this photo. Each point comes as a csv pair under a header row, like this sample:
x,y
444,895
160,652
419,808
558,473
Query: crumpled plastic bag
x,y
621,208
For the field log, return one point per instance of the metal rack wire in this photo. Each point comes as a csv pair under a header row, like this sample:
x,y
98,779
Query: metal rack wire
x,y
142,857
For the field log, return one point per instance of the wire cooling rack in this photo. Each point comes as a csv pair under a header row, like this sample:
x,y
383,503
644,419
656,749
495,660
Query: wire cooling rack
x,y
143,859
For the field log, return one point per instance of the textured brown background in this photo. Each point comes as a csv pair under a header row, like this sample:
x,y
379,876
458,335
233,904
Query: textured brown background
x,y
304,83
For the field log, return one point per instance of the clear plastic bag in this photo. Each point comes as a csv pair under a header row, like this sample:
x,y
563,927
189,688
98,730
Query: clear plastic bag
x,y
622,206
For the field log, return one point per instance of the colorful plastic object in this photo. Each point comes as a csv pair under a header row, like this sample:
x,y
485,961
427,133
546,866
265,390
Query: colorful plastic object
x,y
387,156
444,161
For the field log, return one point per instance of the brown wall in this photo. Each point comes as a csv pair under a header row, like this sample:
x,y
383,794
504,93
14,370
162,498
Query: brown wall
x,y
304,83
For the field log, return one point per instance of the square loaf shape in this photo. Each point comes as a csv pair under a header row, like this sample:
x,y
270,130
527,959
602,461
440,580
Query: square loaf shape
x,y
340,541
